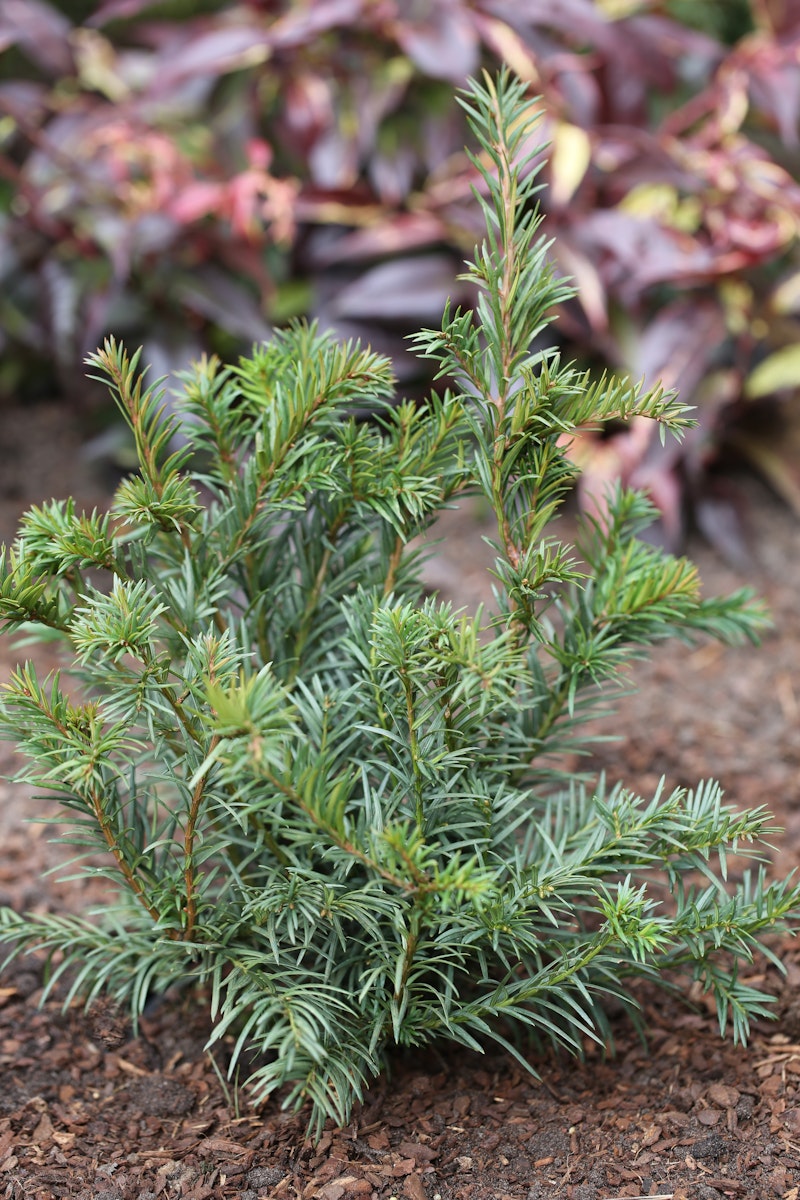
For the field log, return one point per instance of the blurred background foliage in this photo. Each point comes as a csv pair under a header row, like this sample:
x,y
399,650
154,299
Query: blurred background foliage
x,y
187,174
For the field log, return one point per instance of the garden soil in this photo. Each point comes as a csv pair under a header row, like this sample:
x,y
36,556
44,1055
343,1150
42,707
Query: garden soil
x,y
89,1110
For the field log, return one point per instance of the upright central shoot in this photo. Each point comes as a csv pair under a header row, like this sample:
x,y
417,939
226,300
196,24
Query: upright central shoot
x,y
325,797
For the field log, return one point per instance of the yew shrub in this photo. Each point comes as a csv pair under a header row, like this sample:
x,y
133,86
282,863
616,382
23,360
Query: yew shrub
x,y
330,801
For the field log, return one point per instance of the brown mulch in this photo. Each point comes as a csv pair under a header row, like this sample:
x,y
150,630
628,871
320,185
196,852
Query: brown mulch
x,y
88,1110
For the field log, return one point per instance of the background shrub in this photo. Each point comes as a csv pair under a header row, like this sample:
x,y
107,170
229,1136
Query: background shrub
x,y
187,175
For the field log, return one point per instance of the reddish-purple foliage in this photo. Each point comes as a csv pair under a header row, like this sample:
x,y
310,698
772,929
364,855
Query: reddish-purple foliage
x,y
190,179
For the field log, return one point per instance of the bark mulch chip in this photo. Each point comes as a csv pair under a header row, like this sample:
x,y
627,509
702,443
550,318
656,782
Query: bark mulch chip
x,y
692,1118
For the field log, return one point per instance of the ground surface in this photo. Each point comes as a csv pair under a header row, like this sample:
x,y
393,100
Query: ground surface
x,y
87,1110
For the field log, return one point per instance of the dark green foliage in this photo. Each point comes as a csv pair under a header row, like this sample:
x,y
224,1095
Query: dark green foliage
x,y
325,796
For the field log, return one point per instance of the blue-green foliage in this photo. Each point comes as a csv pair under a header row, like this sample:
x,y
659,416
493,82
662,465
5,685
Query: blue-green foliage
x,y
334,800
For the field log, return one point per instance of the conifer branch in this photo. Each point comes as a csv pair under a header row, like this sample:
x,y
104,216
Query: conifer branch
x,y
338,789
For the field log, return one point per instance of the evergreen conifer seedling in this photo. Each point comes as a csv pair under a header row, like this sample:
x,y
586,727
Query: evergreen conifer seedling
x,y
329,799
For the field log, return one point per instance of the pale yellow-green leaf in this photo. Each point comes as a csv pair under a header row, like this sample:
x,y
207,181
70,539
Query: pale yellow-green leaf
x,y
510,48
98,69
662,202
570,155
617,10
786,297
737,299
777,372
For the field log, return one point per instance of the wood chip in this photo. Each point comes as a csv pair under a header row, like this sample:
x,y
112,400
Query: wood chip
x,y
414,1188
724,1096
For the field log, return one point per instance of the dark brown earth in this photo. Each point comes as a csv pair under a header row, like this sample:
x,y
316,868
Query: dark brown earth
x,y
88,1110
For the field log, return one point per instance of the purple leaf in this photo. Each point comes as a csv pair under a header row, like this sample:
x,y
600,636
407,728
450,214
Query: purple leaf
x,y
24,96
221,299
716,511
304,23
444,45
333,160
633,253
307,110
581,19
651,55
410,289
773,448
41,31
775,85
508,46
392,175
213,50
579,267
656,478
403,232
677,347
120,10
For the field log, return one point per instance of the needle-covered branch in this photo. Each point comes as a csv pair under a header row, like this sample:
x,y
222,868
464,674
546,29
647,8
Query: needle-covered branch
x,y
331,798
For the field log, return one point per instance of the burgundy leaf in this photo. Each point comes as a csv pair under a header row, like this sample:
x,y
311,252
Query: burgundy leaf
x,y
24,96
392,175
304,23
657,479
660,52
637,63
41,31
224,301
634,253
401,232
774,76
507,45
307,110
120,10
442,136
333,160
627,156
153,233
679,344
444,45
718,517
408,289
573,86
775,452
214,50
581,19
583,272
782,17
